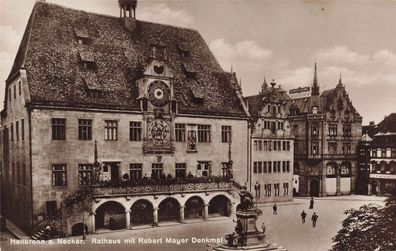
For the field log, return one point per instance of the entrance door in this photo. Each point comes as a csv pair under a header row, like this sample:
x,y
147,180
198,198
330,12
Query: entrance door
x,y
114,168
314,189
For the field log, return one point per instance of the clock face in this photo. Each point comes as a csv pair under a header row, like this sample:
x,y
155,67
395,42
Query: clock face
x,y
159,132
159,93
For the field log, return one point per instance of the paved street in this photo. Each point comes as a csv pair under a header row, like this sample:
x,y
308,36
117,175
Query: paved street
x,y
285,229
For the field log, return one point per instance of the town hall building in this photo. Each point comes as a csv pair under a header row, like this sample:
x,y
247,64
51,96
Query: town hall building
x,y
141,112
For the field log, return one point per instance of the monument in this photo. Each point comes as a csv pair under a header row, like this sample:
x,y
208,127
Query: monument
x,y
246,235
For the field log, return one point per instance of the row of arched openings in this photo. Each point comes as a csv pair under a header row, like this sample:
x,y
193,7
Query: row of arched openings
x,y
111,214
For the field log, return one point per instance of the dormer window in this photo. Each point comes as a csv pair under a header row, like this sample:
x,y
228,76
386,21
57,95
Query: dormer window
x,y
183,49
88,60
189,70
93,87
315,110
157,51
198,95
82,36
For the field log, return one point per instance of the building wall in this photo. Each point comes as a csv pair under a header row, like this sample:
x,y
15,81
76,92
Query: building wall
x,y
15,153
73,151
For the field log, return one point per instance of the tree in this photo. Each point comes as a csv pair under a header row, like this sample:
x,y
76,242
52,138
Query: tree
x,y
371,227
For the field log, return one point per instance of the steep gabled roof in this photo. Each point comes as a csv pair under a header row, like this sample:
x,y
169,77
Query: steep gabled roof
x,y
388,125
52,57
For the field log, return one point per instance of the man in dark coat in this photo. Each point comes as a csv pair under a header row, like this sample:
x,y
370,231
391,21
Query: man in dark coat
x,y
303,216
275,209
311,203
314,218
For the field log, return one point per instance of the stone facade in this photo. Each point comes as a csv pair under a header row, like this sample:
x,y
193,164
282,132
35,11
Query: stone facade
x,y
173,115
271,146
327,130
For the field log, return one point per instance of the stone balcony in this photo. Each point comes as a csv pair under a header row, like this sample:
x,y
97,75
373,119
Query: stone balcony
x,y
151,187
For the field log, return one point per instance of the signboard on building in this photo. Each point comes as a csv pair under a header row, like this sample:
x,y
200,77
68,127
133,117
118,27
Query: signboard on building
x,y
383,176
300,92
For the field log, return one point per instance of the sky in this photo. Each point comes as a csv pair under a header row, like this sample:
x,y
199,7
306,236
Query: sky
x,y
278,40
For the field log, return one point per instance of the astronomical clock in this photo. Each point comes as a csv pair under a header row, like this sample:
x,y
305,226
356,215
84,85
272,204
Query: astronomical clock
x,y
158,106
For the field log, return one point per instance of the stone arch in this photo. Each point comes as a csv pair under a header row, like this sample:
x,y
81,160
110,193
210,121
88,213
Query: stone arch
x,y
142,212
345,168
110,214
121,200
220,205
77,229
169,209
194,207
314,188
331,168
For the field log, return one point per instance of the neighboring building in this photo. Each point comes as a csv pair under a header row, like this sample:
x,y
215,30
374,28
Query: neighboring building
x,y
153,97
379,145
327,129
271,145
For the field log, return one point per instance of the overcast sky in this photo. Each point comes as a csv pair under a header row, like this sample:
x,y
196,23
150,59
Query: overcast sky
x,y
280,40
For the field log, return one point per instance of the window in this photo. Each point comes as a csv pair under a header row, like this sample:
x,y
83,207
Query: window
x,y
255,145
156,171
180,170
284,145
284,166
269,166
58,129
85,129
180,132
260,145
135,171
332,129
276,189
287,145
314,130
275,163
332,148
85,174
267,188
279,145
265,145
265,167
288,166
135,131
346,130
17,130
9,94
23,129
12,132
203,168
111,127
15,93
285,188
259,165
19,87
279,166
255,166
226,134
59,175
314,148
203,133
275,145
346,148
51,207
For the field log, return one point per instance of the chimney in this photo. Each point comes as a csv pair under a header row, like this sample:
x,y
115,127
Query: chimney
x,y
128,13
371,123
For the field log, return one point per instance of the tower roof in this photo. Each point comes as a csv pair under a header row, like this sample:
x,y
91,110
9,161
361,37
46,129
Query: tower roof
x,y
315,85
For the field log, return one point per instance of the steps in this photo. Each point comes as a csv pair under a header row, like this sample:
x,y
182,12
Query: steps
x,y
39,235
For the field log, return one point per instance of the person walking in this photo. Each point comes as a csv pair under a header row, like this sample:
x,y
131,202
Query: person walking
x,y
303,216
311,203
314,218
275,209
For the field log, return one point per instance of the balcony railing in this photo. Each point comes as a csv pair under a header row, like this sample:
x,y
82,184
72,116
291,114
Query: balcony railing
x,y
163,186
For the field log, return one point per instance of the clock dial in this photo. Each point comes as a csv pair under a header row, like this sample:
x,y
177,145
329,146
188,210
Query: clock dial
x,y
159,93
159,132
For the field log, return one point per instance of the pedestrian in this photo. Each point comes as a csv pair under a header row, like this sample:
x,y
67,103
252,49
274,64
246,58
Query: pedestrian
x,y
257,189
311,203
303,216
263,227
314,218
275,209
